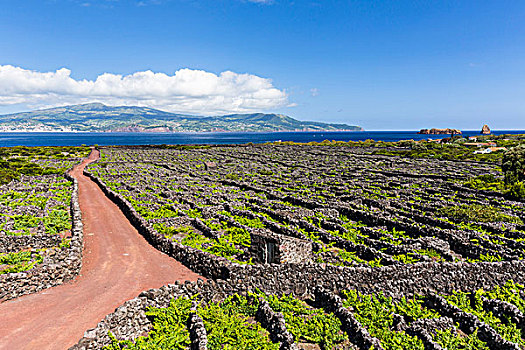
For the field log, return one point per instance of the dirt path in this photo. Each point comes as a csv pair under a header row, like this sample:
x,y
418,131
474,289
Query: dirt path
x,y
118,264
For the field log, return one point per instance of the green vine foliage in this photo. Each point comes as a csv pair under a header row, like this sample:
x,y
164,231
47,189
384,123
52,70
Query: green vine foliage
x,y
471,302
307,324
229,327
19,261
15,161
487,182
169,329
56,219
375,312
509,293
477,213
513,164
230,324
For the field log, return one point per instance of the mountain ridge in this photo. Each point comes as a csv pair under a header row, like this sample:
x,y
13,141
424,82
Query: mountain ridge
x,y
97,117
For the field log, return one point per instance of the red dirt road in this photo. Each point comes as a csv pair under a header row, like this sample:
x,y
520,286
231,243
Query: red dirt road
x,y
118,264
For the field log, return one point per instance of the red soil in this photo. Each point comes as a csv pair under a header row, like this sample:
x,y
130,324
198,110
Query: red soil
x,y
118,264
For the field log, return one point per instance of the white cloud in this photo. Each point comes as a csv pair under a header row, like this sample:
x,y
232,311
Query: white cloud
x,y
186,91
314,92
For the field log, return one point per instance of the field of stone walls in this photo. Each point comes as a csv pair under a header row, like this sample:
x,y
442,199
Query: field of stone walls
x,y
368,251
40,227
354,209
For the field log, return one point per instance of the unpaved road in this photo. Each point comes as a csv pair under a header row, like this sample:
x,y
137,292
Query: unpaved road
x,y
118,264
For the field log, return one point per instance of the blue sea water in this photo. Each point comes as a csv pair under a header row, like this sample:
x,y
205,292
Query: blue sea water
x,y
128,138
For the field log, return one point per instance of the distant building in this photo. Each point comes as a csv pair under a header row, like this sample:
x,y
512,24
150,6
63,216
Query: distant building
x,y
490,150
480,144
483,151
496,149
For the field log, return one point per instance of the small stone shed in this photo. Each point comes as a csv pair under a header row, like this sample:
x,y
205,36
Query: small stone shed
x,y
272,248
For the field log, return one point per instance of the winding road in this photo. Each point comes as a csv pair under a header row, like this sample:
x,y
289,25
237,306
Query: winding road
x,y
118,264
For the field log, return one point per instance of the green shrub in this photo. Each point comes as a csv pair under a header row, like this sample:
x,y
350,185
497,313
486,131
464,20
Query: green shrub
x,y
307,324
169,329
229,327
486,182
19,261
265,172
513,164
476,213
7,175
516,190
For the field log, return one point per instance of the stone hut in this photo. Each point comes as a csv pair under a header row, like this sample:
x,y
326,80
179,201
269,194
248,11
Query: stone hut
x,y
272,248
210,165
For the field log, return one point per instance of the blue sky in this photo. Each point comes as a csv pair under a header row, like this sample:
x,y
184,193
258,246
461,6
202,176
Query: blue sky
x,y
398,65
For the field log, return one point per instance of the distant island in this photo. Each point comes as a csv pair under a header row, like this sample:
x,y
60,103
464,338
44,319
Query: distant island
x,y
435,131
485,130
97,117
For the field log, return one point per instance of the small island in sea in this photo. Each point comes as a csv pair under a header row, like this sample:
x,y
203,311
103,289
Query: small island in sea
x,y
485,130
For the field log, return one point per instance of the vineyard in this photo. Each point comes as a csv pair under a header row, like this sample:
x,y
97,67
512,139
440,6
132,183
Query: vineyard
x,y
319,247
35,212
300,204
192,319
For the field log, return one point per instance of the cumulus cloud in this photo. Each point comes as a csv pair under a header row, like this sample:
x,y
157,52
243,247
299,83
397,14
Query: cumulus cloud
x,y
186,91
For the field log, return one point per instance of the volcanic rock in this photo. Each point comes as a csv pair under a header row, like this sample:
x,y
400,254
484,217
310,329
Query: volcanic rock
x,y
485,130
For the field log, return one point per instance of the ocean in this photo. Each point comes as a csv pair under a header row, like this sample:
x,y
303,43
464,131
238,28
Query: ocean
x,y
8,139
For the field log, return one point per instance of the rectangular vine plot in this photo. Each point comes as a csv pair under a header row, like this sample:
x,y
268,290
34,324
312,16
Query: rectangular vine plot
x,y
202,316
37,218
285,204
479,319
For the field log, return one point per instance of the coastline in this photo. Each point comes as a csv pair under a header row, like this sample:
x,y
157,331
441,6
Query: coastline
x,y
173,132
8,139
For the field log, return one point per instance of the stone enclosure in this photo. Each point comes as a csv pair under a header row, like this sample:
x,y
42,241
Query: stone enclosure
x,y
312,222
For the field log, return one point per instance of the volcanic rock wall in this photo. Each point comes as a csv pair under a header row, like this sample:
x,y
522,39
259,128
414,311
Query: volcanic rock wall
x,y
59,266
300,279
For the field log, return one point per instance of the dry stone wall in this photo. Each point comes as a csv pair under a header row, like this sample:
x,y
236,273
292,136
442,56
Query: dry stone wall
x,y
17,243
300,279
206,264
397,279
59,266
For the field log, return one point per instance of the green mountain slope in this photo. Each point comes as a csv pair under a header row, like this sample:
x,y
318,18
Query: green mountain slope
x,y
99,117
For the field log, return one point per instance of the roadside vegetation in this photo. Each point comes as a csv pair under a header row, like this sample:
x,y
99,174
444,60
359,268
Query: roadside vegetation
x,y
35,200
36,161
